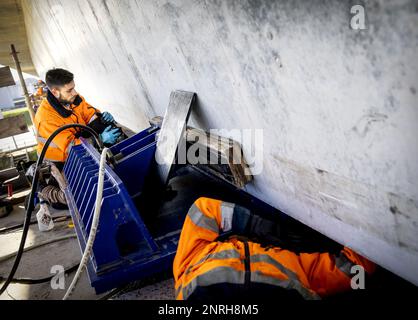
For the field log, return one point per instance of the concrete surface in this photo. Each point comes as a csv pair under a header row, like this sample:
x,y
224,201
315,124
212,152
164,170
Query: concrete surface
x,y
38,262
13,31
338,107
163,290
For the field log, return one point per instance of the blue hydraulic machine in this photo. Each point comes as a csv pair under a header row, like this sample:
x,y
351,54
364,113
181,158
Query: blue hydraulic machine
x,y
124,249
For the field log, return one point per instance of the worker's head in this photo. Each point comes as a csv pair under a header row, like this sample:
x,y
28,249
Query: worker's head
x,y
61,84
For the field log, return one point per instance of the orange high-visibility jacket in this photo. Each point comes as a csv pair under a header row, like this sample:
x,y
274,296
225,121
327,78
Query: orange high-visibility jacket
x,y
201,261
51,115
39,91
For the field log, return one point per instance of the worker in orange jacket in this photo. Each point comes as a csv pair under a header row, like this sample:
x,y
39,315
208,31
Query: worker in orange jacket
x,y
40,88
63,106
206,267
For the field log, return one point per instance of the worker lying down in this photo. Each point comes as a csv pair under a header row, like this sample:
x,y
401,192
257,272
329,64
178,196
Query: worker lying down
x,y
206,268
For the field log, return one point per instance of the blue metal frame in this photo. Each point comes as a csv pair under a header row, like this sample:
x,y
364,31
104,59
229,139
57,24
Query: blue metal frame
x,y
123,250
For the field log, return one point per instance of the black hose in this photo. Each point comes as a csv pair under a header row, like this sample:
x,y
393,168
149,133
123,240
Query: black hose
x,y
20,225
30,208
41,280
114,292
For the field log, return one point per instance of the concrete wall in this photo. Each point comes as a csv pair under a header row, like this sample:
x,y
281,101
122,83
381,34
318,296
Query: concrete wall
x,y
338,106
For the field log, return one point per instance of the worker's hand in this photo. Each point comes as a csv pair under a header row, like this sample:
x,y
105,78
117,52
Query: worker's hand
x,y
266,231
107,118
110,135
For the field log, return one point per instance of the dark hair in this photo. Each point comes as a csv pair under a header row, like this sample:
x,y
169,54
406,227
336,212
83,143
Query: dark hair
x,y
58,77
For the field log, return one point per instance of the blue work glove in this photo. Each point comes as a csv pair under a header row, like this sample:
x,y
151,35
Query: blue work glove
x,y
110,135
107,118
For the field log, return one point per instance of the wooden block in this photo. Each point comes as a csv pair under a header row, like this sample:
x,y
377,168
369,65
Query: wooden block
x,y
227,151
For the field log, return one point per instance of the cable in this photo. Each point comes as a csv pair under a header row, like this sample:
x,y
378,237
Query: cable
x,y
18,226
114,292
30,208
139,284
10,296
41,280
10,255
94,225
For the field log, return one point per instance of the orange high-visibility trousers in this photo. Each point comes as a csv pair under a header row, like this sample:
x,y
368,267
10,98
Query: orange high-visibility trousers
x,y
201,261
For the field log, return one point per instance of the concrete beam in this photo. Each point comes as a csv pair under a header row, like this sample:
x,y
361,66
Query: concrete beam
x,y
13,31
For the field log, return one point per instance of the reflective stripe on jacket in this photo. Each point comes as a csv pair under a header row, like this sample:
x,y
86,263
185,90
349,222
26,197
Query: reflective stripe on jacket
x,y
48,119
201,261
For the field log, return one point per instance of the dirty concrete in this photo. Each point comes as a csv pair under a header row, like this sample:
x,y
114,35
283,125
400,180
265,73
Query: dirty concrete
x,y
38,263
338,107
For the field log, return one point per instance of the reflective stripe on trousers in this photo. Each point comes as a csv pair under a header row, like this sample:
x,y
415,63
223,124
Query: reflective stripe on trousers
x,y
213,277
221,274
292,282
220,255
225,274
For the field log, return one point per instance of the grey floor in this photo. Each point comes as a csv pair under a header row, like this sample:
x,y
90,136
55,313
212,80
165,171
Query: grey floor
x,y
37,263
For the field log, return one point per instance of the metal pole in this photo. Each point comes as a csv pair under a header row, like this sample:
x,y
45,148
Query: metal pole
x,y
14,140
12,163
23,84
27,154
